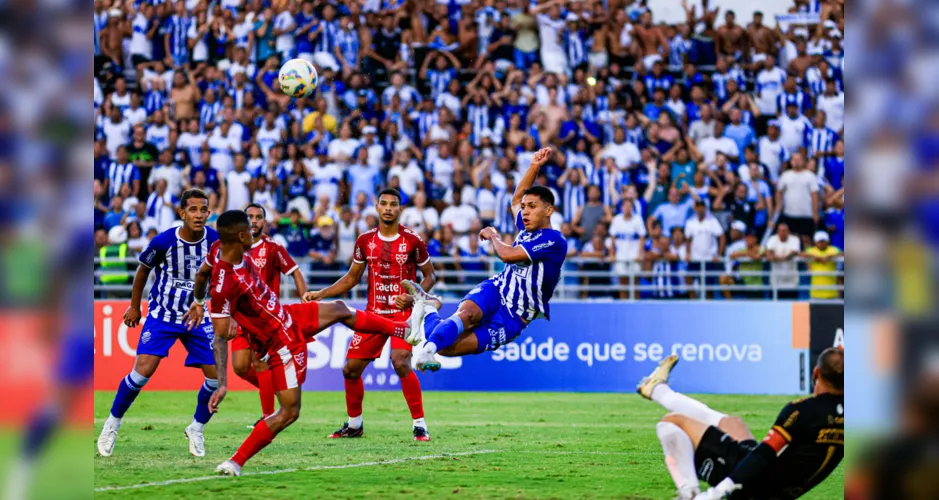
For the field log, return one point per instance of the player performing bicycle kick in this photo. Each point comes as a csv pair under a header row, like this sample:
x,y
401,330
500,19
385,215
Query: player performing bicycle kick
x,y
392,253
278,334
497,310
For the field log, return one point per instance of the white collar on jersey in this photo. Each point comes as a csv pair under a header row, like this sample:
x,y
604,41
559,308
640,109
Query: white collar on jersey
x,y
180,238
258,243
385,238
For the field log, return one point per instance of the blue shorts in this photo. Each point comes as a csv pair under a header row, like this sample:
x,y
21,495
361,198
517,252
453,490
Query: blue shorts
x,y
499,326
158,336
76,359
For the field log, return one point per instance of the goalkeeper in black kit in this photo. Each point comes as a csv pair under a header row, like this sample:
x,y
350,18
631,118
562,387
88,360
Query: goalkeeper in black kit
x,y
803,447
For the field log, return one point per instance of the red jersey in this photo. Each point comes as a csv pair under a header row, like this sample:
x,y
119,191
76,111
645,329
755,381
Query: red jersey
x,y
239,292
270,258
389,262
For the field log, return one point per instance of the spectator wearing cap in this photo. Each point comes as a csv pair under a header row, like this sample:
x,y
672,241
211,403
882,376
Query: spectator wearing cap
x,y
323,247
705,244
822,262
744,264
772,152
574,42
782,249
797,198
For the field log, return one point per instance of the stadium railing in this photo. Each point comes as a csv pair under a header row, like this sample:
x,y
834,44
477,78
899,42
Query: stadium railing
x,y
581,278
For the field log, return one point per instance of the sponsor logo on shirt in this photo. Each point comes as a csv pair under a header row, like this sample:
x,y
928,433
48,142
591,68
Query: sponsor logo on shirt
x,y
542,246
221,279
387,287
184,284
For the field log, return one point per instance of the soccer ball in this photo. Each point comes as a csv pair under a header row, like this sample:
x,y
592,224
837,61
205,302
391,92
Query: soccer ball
x,y
298,78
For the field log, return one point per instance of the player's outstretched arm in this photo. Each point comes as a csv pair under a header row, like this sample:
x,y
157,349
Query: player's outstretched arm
x,y
220,352
528,180
343,285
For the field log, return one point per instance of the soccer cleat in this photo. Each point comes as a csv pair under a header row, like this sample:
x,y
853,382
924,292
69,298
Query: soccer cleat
x,y
196,441
658,376
107,438
347,432
228,468
415,290
427,361
421,434
256,422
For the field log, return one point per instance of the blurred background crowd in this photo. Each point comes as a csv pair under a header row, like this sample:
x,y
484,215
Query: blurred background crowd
x,y
708,150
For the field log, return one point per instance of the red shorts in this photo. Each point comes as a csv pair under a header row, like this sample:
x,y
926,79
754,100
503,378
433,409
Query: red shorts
x,y
288,364
241,341
370,345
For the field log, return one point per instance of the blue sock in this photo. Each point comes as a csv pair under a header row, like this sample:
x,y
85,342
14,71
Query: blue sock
x,y
446,332
202,414
431,320
127,392
41,428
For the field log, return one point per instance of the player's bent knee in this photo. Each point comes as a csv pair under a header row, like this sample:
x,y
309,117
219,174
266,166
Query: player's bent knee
x,y
401,362
146,365
735,428
675,418
352,372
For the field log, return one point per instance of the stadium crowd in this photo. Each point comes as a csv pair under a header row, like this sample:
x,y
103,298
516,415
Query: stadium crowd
x,y
715,143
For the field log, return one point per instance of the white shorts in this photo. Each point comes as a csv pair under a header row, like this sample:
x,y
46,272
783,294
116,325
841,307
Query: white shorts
x,y
626,268
326,60
554,62
649,60
598,59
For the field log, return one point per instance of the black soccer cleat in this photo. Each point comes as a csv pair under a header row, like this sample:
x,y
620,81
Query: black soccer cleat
x,y
421,434
347,432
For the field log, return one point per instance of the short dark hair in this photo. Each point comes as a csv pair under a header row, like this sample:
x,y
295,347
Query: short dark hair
x,y
190,194
257,206
389,192
541,192
228,224
831,367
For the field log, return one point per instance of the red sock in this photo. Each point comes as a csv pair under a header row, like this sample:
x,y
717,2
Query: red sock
x,y
355,393
260,437
368,322
266,385
411,387
251,377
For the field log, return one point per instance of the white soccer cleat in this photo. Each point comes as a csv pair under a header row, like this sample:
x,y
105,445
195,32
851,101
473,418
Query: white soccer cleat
x,y
658,376
108,437
228,468
415,333
196,441
426,360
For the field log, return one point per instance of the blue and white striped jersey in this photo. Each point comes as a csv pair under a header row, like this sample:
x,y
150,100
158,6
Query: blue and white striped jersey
x,y
527,288
176,262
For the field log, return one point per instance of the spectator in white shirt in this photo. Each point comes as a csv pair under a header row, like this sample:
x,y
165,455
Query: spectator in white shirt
x,y
624,154
459,215
710,146
161,211
117,131
782,249
549,31
168,171
771,150
135,114
705,244
792,128
627,238
420,217
238,183
341,149
832,103
408,173
284,26
769,84
797,199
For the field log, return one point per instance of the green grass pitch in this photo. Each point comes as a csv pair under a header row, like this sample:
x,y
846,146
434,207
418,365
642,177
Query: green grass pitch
x,y
484,445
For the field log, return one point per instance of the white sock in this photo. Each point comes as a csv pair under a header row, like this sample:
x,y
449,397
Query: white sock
x,y
430,347
112,420
419,422
679,403
679,457
355,422
430,307
197,426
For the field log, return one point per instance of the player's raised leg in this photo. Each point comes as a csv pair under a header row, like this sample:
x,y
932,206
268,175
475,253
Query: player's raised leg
x,y
127,391
330,313
655,388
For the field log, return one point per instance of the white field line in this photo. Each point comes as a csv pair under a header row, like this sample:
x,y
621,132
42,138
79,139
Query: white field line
x,y
285,471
